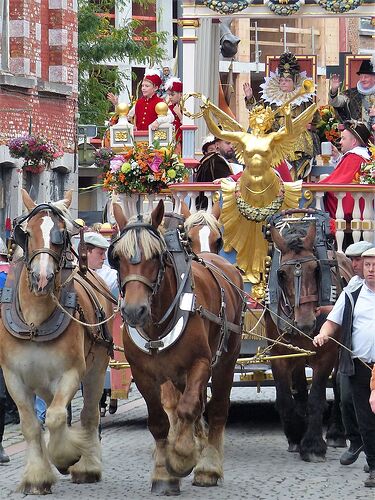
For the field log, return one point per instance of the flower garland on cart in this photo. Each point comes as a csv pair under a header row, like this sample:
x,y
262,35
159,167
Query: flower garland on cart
x,y
144,169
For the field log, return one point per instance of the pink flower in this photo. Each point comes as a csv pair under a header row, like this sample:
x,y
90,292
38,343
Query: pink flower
x,y
156,162
115,165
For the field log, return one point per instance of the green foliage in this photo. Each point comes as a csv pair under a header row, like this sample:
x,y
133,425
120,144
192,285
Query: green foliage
x,y
99,42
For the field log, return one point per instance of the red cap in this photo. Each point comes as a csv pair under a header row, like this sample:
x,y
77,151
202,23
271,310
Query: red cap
x,y
153,77
174,84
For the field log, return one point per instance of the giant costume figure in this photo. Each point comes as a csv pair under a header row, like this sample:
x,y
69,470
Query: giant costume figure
x,y
279,88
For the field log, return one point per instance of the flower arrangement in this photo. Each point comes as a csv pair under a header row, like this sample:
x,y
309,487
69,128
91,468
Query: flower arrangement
x,y
328,126
144,169
103,157
367,171
38,153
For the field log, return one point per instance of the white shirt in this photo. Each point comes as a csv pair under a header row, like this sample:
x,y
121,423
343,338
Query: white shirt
x,y
109,275
354,283
363,334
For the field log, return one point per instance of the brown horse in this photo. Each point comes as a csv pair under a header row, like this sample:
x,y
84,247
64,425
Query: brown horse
x,y
174,347
49,354
203,229
298,278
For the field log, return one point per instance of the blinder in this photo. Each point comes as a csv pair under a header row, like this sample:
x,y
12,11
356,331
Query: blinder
x,y
20,236
59,237
135,259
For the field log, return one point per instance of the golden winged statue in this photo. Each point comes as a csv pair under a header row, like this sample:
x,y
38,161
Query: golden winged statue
x,y
259,192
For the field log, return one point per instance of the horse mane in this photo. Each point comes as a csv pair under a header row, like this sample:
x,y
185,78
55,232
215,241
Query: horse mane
x,y
202,218
127,246
293,238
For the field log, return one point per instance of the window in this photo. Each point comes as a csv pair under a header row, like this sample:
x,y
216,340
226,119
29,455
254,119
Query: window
x,y
4,35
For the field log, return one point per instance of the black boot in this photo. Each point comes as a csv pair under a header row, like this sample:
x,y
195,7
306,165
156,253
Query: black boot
x,y
4,459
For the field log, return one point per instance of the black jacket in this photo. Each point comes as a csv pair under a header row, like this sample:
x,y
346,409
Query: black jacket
x,y
346,365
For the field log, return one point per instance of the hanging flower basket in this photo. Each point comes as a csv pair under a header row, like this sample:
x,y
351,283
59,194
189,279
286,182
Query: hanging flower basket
x,y
38,153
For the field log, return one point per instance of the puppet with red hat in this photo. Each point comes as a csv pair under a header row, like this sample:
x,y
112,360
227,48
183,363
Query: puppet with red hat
x,y
144,110
173,86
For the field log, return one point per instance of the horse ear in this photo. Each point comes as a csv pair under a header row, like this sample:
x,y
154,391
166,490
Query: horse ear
x,y
27,201
119,216
309,239
185,210
216,210
68,198
157,214
278,239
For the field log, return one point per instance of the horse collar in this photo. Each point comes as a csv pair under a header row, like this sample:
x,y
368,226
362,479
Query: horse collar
x,y
140,339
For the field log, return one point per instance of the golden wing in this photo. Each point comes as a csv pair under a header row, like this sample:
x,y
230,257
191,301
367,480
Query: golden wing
x,y
222,125
283,143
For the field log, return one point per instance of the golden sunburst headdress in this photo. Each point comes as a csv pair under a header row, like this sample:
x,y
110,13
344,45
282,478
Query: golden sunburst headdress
x,y
261,119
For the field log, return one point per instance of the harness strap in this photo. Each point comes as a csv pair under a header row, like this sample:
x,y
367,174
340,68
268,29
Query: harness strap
x,y
100,314
101,290
206,314
178,293
137,277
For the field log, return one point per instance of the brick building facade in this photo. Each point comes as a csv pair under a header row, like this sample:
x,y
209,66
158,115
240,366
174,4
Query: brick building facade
x,y
38,94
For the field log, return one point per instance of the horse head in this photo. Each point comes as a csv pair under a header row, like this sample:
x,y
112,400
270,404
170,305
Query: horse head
x,y
43,236
138,255
298,276
203,229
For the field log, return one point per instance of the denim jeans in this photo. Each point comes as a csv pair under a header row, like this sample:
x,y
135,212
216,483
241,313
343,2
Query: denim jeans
x,y
40,409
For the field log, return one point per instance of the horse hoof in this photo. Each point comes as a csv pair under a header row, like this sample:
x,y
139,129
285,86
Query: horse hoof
x,y
161,487
313,458
36,489
178,473
204,480
63,470
336,443
85,477
293,448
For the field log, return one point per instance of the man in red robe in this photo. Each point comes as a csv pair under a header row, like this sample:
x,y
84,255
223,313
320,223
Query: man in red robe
x,y
354,141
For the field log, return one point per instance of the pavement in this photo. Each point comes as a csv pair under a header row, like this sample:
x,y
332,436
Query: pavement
x,y
257,465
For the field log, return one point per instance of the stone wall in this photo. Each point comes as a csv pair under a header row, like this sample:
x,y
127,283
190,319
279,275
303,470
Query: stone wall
x,y
38,94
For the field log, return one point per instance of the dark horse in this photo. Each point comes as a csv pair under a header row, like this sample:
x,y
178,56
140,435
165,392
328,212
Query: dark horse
x,y
174,347
295,290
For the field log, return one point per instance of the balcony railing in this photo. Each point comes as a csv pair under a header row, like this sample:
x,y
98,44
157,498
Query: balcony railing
x,y
361,227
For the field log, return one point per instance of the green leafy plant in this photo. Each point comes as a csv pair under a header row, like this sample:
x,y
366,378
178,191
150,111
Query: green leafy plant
x,y
99,41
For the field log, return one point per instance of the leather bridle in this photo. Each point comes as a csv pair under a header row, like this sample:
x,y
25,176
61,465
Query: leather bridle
x,y
299,299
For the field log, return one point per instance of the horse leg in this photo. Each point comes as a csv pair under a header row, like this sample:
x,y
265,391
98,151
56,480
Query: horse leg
x,y
293,422
300,390
63,445
313,447
162,481
210,465
335,435
38,476
183,448
88,469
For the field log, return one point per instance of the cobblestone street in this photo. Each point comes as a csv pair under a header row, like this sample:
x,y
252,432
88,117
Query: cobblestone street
x,y
257,465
